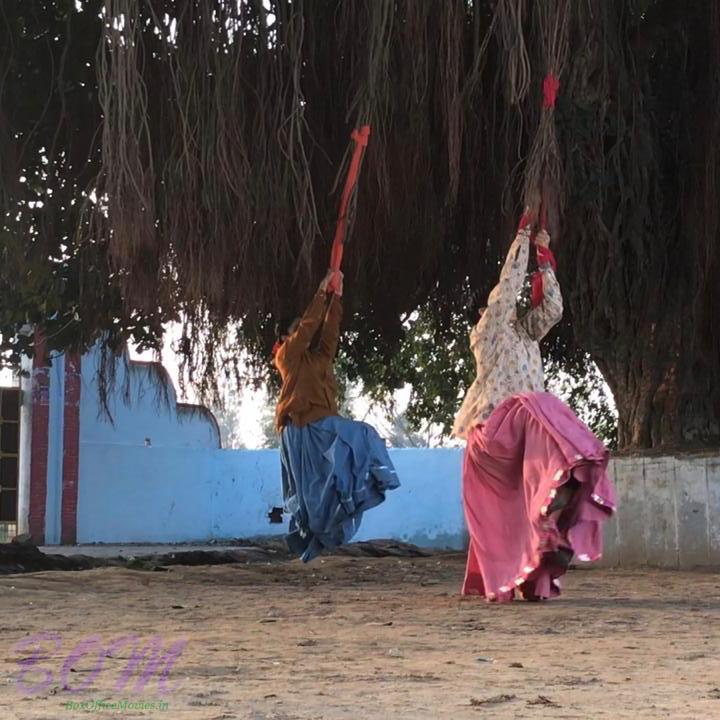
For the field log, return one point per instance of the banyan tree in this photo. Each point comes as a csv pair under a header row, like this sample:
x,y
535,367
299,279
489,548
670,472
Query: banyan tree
x,y
181,160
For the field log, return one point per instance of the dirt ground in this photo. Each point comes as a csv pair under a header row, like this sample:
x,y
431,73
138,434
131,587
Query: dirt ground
x,y
364,638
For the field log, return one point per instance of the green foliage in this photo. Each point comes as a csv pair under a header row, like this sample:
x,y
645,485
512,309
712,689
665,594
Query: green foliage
x,y
583,388
270,437
435,359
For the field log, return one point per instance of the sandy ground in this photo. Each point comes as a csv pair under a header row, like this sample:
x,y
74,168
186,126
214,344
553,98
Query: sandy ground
x,y
366,638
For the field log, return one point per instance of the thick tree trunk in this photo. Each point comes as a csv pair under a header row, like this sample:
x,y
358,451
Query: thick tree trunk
x,y
644,226
666,400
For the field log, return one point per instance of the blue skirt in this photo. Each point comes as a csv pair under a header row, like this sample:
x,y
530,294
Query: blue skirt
x,y
333,470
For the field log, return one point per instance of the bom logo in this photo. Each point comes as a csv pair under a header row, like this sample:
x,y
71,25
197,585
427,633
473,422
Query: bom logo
x,y
147,659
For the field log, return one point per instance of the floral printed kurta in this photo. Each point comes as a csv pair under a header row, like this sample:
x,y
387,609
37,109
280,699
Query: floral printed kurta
x,y
507,352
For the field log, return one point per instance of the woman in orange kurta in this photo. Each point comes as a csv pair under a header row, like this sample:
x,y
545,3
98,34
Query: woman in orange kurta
x,y
333,469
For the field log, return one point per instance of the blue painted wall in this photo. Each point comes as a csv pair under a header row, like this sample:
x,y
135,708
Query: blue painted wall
x,y
53,498
145,414
426,509
156,474
163,494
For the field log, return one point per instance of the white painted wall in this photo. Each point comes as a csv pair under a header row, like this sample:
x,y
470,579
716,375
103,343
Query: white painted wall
x,y
668,512
25,452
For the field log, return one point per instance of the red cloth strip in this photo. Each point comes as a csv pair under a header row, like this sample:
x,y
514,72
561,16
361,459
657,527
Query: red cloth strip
x,y
360,138
551,86
527,219
538,292
544,257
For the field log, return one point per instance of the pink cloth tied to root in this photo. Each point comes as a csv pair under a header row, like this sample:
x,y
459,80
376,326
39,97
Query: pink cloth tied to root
x,y
513,463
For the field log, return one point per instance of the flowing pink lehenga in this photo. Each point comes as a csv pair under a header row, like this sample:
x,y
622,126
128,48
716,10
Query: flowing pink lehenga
x,y
514,464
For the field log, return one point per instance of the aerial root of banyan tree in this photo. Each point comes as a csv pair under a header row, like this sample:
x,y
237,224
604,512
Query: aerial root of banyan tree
x,y
216,132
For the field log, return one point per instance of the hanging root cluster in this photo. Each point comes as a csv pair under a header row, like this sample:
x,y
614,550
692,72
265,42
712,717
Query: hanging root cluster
x,y
544,180
212,133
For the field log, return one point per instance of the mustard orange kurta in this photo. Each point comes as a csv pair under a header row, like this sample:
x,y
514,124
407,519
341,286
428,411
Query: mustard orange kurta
x,y
309,389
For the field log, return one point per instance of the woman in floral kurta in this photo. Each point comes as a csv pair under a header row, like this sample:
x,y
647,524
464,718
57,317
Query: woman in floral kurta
x,y
535,486
506,349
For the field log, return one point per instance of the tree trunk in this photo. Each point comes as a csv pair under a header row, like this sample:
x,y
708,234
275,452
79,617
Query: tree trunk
x,y
642,246
666,400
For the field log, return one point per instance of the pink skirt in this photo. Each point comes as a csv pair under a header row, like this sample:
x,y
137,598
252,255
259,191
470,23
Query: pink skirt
x,y
514,464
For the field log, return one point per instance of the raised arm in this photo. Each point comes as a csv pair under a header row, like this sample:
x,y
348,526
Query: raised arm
x,y
302,337
503,298
330,333
541,319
